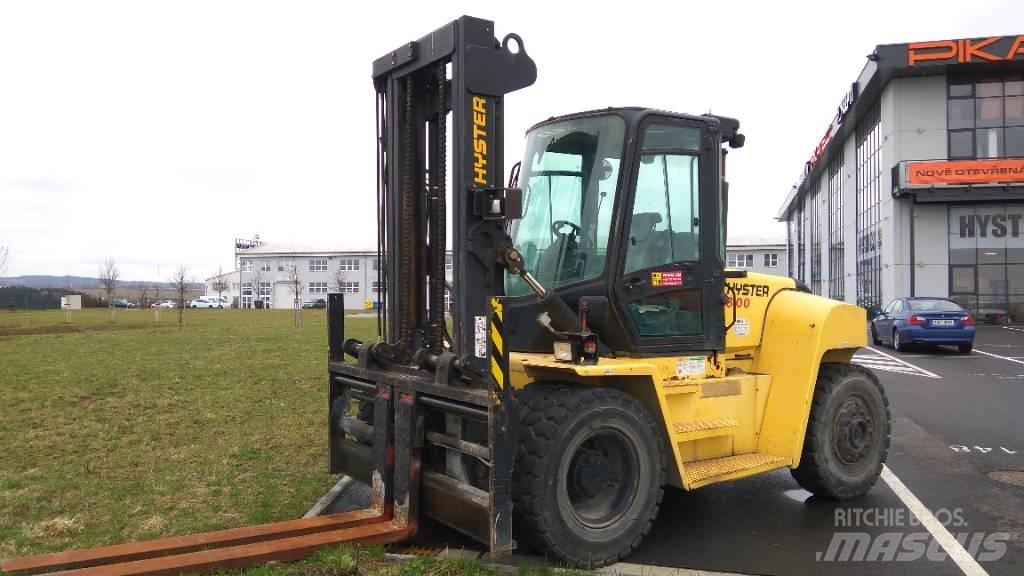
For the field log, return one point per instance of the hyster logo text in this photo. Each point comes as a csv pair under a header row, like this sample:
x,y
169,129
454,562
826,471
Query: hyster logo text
x,y
479,140
995,225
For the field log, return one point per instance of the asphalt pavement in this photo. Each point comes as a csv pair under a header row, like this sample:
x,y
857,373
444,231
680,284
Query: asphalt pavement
x,y
944,505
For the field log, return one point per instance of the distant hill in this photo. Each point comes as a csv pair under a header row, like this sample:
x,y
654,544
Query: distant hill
x,y
80,282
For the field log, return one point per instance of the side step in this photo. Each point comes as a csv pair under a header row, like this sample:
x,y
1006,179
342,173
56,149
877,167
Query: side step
x,y
699,429
703,472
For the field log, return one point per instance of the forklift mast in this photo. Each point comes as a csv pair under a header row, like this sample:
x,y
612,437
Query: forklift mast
x,y
463,69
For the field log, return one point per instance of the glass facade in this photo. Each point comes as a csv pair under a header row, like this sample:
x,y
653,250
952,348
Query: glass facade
x,y
985,116
801,255
815,240
836,253
986,261
869,187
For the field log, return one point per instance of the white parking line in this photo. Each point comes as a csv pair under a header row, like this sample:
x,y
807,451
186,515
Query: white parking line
x,y
956,551
1007,358
905,363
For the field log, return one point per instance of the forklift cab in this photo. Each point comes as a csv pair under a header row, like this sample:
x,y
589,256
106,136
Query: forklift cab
x,y
627,204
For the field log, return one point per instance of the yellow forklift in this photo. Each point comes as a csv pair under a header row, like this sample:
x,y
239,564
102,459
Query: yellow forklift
x,y
590,348
595,348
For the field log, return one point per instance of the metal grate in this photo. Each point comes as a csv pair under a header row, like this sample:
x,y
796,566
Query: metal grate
x,y
701,471
1011,477
701,425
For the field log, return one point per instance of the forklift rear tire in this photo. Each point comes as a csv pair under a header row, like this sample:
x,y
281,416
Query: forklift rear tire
x,y
847,438
589,473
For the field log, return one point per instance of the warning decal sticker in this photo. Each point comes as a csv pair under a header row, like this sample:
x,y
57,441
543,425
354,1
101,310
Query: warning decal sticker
x,y
667,278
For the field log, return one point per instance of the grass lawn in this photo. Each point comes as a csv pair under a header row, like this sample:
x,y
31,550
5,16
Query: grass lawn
x,y
115,432
135,430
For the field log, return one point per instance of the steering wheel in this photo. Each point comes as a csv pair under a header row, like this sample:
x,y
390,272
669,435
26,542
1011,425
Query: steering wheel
x,y
556,227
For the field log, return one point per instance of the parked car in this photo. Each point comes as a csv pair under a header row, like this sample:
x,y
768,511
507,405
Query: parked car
x,y
165,304
318,303
208,302
122,303
925,321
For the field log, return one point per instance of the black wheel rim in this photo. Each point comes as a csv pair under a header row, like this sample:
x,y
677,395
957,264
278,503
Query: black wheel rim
x,y
853,431
600,480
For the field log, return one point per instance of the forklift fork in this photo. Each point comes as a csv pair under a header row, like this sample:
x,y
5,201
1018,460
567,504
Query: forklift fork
x,y
399,432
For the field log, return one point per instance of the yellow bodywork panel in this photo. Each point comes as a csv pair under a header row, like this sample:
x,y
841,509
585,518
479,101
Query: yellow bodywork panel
x,y
801,330
737,413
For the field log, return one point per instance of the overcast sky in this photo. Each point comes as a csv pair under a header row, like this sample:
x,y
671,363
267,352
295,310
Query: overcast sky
x,y
157,132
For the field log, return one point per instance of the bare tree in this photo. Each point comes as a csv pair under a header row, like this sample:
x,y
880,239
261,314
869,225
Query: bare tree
x,y
108,277
219,284
180,281
142,296
5,257
295,287
338,280
258,278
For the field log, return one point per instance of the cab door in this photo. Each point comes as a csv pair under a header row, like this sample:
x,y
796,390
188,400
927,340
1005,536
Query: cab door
x,y
670,282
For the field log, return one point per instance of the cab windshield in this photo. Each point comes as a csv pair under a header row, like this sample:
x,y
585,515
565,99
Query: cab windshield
x,y
569,176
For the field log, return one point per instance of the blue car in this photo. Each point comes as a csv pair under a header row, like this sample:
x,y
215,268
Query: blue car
x,y
923,321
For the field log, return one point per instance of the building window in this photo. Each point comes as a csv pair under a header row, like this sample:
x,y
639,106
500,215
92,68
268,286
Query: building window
x,y
985,117
265,290
771,260
318,265
264,265
869,185
246,265
285,265
815,238
247,289
376,263
741,260
234,286
349,287
801,264
349,263
318,287
448,262
986,261
836,251
379,287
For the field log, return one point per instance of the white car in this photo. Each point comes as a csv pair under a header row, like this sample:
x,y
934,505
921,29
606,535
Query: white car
x,y
165,304
208,302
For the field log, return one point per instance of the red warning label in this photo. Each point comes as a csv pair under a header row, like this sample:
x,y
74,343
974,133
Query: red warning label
x,y
667,278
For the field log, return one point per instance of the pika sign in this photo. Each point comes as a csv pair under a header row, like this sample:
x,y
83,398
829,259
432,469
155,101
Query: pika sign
x,y
993,49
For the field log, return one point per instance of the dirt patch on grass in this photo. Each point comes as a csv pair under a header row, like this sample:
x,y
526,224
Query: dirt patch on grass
x,y
62,329
55,528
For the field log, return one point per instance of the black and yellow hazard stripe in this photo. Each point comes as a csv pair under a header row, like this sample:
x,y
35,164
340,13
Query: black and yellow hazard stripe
x,y
496,351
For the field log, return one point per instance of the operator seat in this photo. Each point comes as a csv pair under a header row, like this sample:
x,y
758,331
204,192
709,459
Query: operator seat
x,y
644,242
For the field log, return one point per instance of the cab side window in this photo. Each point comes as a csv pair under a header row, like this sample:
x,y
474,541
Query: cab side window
x,y
665,225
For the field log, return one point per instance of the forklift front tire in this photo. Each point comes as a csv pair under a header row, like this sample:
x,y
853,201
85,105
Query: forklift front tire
x,y
847,436
589,472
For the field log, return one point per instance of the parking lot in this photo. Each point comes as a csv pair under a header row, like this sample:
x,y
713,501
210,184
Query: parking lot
x,y
956,426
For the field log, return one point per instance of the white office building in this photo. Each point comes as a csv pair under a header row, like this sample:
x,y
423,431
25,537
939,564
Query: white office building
x,y
762,255
267,274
